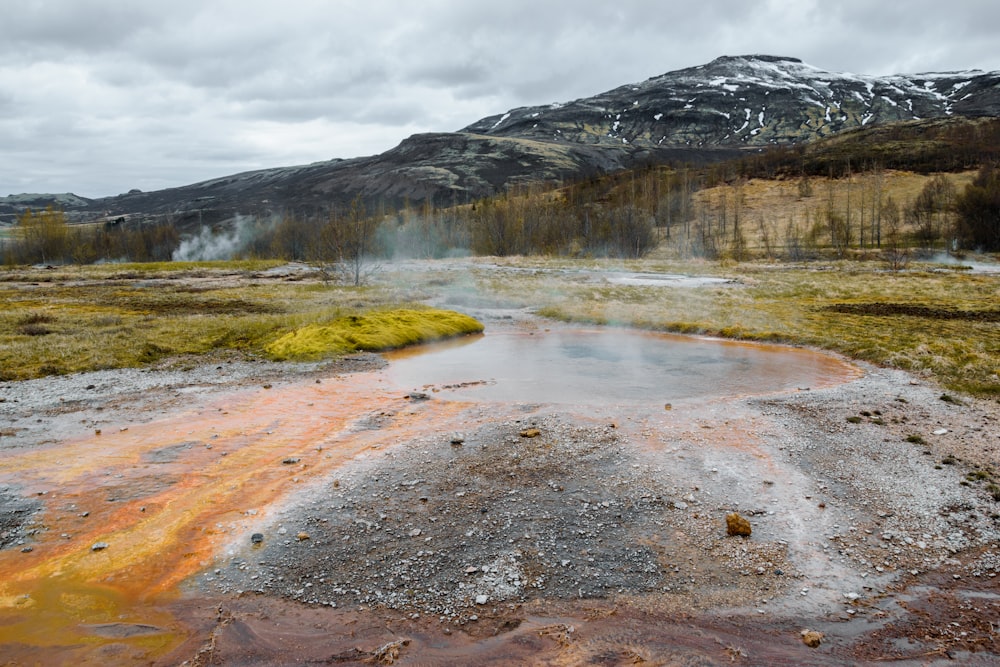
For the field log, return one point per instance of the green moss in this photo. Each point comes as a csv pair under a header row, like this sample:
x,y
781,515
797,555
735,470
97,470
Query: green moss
x,y
373,331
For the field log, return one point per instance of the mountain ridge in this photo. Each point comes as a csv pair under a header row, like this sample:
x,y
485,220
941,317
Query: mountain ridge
x,y
704,113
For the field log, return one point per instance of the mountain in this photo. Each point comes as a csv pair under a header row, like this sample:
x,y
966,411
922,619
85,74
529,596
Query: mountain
x,y
748,101
696,115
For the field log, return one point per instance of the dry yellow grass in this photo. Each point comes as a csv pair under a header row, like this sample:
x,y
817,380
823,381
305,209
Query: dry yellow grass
x,y
770,206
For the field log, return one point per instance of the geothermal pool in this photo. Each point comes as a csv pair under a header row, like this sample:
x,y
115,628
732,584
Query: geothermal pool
x,y
608,366
130,511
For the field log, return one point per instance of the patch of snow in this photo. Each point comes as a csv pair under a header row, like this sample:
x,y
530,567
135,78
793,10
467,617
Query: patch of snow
x,y
658,116
890,101
502,119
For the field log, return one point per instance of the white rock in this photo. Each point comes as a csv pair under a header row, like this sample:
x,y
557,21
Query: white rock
x,y
482,599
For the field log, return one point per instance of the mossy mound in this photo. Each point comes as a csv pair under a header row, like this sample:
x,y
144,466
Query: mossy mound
x,y
374,331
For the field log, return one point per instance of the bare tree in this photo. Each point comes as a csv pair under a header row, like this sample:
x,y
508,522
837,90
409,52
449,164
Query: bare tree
x,y
347,244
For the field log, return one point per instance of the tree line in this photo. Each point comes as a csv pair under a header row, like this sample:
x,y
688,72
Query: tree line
x,y
694,212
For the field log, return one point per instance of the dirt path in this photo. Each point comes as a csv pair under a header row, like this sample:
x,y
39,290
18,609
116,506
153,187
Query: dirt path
x,y
257,514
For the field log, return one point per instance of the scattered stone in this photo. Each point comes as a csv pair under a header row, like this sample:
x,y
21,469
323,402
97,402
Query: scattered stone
x,y
737,525
418,396
257,538
667,406
99,546
457,439
678,505
530,433
482,599
290,461
811,638
302,537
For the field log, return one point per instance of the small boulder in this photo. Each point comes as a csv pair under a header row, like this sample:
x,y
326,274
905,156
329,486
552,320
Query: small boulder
x,y
530,433
257,538
811,638
737,525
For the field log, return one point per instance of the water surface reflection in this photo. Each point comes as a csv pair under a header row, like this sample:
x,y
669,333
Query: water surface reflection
x,y
602,366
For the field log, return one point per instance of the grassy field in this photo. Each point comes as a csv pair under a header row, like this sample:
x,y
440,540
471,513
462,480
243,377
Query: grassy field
x,y
940,322
65,320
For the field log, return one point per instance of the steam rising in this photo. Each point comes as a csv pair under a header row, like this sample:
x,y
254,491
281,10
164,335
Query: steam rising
x,y
214,244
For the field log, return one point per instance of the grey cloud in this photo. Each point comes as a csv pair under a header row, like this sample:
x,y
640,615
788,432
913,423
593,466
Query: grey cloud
x,y
104,95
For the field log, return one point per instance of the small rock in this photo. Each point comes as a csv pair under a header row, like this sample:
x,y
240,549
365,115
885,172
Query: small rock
x,y
530,433
414,533
99,546
940,431
418,396
257,538
482,599
290,461
811,638
457,439
737,525
301,537
678,505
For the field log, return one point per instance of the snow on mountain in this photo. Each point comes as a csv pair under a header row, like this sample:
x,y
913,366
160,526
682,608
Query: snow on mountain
x,y
750,100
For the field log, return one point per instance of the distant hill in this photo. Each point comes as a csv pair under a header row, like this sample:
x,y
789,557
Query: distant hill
x,y
729,107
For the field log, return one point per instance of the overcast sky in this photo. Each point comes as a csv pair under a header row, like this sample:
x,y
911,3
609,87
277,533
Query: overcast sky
x,y
101,96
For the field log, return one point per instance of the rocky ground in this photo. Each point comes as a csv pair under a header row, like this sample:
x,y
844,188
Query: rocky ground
x,y
861,530
505,533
